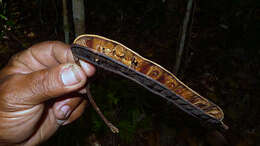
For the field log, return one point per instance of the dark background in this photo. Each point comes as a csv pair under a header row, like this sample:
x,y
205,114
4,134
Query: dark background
x,y
221,62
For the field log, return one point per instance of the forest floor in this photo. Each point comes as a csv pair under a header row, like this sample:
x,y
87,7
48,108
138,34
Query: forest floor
x,y
221,62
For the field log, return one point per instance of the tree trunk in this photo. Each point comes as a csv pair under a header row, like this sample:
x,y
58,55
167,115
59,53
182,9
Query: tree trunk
x,y
66,22
78,9
185,30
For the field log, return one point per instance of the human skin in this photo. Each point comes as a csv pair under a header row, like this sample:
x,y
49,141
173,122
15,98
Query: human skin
x,y
38,93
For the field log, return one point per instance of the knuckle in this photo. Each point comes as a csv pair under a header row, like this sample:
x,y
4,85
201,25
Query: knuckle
x,y
38,85
45,84
9,95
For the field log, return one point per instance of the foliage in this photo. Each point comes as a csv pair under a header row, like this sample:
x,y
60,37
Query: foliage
x,y
6,23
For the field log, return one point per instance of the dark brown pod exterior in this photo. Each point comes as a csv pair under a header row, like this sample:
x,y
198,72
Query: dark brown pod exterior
x,y
115,57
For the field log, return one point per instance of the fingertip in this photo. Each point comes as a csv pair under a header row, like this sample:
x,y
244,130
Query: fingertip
x,y
76,113
88,68
67,110
64,106
64,112
71,75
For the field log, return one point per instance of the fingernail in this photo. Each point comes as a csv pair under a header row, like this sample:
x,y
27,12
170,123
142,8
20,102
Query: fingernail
x,y
84,65
71,75
65,111
61,122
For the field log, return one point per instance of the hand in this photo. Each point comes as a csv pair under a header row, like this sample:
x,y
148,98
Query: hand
x,y
34,93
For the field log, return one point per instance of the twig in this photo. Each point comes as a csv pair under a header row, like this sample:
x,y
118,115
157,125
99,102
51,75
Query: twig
x,y
184,31
94,105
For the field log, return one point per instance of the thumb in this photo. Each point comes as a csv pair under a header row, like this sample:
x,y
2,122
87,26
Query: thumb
x,y
42,85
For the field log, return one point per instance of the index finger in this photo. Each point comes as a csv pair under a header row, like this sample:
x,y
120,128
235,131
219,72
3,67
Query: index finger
x,y
43,55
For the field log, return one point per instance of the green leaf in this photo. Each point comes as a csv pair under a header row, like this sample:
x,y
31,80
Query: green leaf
x,y
3,17
10,23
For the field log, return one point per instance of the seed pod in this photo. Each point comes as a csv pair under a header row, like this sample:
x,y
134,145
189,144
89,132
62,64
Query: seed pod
x,y
115,57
